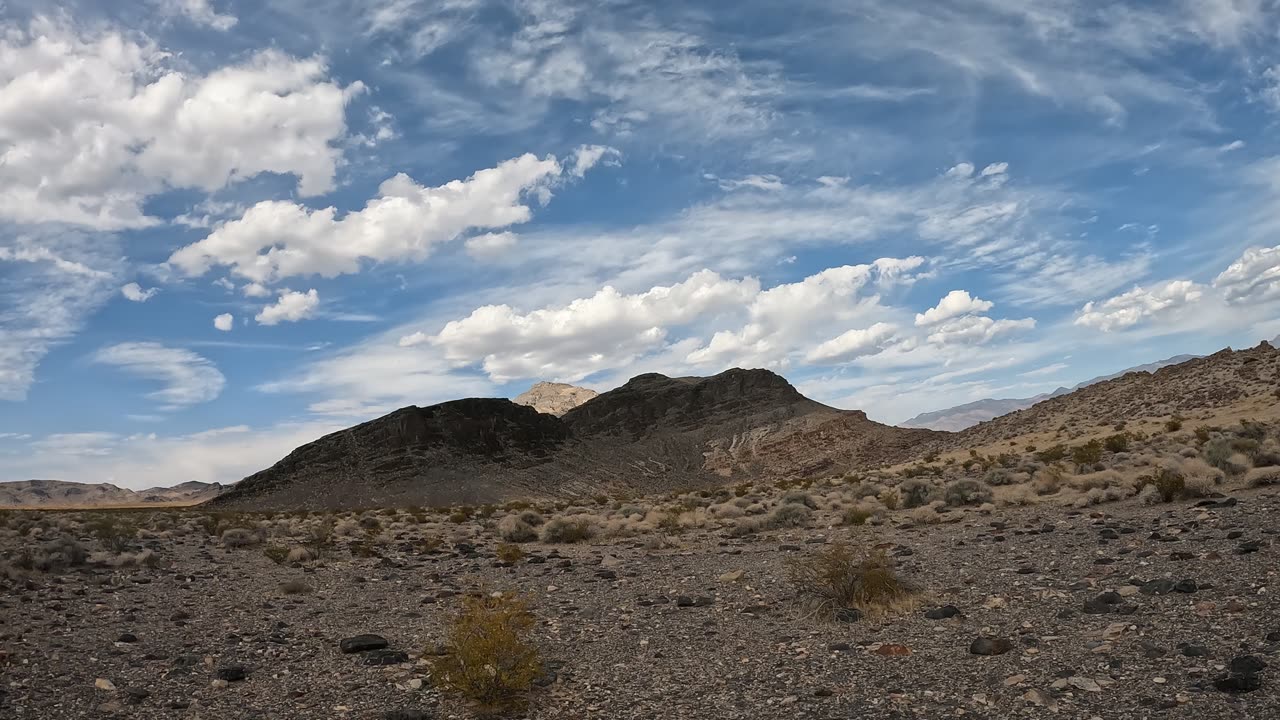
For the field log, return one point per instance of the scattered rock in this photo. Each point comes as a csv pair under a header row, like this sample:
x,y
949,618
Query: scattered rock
x,y
362,643
942,613
990,646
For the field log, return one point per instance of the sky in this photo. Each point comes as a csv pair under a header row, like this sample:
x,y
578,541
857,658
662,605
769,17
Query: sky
x,y
228,228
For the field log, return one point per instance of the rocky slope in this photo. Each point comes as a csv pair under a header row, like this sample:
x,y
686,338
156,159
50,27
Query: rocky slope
x,y
1246,380
652,434
554,398
60,493
957,418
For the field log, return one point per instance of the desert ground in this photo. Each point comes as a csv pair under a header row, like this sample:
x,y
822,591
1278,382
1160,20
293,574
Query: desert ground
x,y
1127,578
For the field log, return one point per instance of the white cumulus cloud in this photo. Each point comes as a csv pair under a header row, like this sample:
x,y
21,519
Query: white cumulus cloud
x,y
603,331
199,12
135,292
291,306
955,304
1254,277
277,239
853,344
94,123
1130,308
224,322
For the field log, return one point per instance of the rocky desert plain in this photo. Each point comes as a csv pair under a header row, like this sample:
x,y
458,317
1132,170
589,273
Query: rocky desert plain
x,y
708,548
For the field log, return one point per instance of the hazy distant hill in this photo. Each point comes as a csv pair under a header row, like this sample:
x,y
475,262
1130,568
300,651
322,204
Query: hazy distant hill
x,y
554,398
60,493
962,416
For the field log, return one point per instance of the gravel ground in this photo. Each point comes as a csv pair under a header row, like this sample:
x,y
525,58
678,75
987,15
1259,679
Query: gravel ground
x,y
154,642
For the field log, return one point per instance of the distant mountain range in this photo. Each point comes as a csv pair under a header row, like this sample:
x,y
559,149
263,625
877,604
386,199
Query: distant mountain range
x,y
957,418
63,494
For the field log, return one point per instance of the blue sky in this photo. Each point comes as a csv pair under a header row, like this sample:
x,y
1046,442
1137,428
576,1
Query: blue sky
x,y
227,228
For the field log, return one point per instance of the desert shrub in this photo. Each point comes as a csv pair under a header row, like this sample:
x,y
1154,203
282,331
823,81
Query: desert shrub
x,y
1014,495
1173,425
1048,481
1088,454
1196,486
509,553
239,537
925,515
1116,443
430,543
512,529
115,533
835,578
747,526
296,587
491,659
966,492
857,515
566,530
1263,476
370,522
278,554
727,511
890,498
1101,479
1265,456
799,497
301,555
790,515
914,492
1052,454
1168,482
865,489
996,477
1149,495
1251,430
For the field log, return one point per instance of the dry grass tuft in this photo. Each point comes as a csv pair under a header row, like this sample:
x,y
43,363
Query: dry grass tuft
x,y
509,553
492,661
836,578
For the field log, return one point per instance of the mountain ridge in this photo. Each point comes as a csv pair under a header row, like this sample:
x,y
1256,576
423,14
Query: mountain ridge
x,y
652,434
966,415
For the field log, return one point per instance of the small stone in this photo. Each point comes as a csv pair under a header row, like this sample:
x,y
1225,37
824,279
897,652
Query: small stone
x,y
892,650
687,601
362,643
1015,680
942,613
1185,586
104,684
231,673
384,657
1084,683
731,576
219,683
990,646
127,638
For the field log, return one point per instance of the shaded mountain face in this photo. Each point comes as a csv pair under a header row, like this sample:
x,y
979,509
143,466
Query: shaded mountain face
x,y
554,398
653,434
60,493
957,418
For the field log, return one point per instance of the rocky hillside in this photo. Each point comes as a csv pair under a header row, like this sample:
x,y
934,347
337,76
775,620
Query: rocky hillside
x,y
653,434
554,398
59,493
957,418
1247,380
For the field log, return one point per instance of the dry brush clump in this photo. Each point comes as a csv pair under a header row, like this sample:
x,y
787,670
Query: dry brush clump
x,y
491,661
837,579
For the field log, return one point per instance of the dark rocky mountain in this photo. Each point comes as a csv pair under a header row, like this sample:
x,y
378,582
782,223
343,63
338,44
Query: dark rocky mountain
x,y
957,418
61,493
653,434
